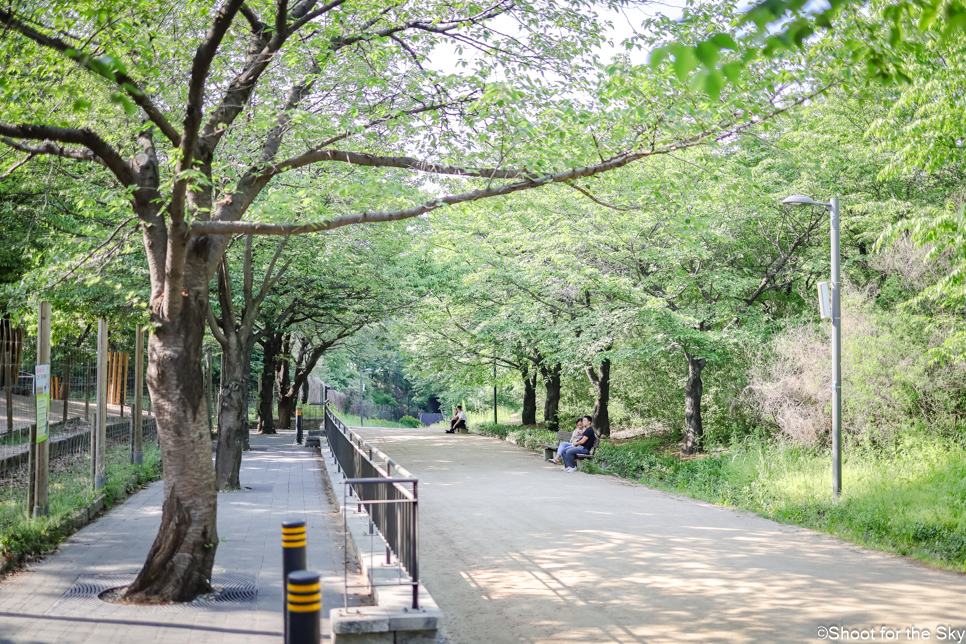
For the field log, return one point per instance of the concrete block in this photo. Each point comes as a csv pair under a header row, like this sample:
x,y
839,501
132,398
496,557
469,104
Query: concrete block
x,y
367,619
363,638
414,620
416,637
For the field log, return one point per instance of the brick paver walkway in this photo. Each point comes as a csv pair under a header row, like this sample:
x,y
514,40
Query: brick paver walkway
x,y
286,482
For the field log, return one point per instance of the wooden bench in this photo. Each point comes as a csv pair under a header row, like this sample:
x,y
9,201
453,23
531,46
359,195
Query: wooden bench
x,y
549,451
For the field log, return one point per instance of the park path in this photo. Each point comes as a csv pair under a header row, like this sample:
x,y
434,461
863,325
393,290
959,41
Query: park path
x,y
514,550
284,480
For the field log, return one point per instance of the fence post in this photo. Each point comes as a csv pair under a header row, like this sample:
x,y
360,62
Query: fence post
x,y
137,453
99,432
87,392
66,390
41,431
293,557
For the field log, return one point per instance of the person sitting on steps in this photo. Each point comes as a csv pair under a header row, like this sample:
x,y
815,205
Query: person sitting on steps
x,y
458,421
583,446
578,432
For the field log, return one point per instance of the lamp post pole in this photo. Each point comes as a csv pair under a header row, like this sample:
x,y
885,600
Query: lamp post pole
x,y
362,400
836,355
833,208
494,390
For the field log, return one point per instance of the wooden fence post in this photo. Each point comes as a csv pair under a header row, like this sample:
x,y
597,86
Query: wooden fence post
x,y
41,429
99,432
137,455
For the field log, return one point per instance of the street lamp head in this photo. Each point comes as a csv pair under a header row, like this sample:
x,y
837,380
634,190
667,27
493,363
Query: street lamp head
x,y
801,200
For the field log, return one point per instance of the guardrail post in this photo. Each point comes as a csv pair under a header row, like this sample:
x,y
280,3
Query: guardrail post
x,y
304,603
293,557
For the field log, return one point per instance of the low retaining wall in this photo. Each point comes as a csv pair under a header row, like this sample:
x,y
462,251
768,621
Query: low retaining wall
x,y
392,620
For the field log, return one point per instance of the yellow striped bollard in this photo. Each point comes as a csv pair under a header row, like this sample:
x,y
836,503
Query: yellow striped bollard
x,y
304,601
293,558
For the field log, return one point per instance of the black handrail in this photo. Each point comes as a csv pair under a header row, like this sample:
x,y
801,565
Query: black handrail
x,y
392,508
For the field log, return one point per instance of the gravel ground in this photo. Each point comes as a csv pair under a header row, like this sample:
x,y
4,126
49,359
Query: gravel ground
x,y
514,550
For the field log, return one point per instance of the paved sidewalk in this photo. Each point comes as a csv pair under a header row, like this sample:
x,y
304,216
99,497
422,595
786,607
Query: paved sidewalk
x,y
286,482
514,550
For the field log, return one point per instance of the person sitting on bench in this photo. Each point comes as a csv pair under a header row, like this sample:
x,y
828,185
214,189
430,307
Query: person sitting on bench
x,y
458,421
578,432
583,446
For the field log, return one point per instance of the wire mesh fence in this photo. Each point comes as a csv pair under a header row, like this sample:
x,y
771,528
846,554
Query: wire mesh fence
x,y
71,416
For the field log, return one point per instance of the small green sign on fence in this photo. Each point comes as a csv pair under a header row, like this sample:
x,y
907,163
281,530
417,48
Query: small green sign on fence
x,y
42,392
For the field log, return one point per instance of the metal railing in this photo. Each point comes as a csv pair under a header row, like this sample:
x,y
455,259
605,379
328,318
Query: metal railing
x,y
379,485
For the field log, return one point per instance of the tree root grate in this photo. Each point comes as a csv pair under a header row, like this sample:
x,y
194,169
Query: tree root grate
x,y
233,591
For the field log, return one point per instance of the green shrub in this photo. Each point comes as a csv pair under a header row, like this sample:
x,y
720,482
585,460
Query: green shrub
x,y
409,421
496,430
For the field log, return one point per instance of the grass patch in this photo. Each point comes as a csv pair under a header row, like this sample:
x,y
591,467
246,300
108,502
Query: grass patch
x,y
529,437
910,500
353,421
70,490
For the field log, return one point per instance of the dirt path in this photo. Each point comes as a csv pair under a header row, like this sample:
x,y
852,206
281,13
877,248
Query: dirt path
x,y
516,551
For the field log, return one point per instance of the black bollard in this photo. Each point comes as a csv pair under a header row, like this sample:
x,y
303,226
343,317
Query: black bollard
x,y
293,557
298,426
304,608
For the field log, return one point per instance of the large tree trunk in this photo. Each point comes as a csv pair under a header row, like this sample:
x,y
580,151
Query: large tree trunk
x,y
551,380
529,416
233,412
178,566
283,382
600,378
692,405
266,397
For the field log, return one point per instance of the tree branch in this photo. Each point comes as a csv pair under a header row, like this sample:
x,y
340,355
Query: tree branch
x,y
597,201
215,331
97,146
371,160
18,164
122,80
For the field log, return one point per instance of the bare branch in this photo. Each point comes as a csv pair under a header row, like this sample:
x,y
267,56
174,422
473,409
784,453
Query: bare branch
x,y
371,160
18,164
98,146
122,80
215,330
303,12
258,27
270,280
597,201
94,252
199,75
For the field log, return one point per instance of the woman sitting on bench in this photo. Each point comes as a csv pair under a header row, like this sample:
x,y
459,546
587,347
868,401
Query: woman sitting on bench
x,y
458,421
583,446
578,432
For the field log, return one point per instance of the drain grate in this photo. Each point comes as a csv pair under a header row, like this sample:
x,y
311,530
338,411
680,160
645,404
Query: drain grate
x,y
258,487
252,487
233,591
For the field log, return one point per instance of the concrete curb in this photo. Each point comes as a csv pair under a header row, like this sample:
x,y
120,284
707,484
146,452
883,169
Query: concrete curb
x,y
392,620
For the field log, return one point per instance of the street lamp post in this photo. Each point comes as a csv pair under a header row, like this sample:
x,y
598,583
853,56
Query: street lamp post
x,y
494,390
833,208
362,398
